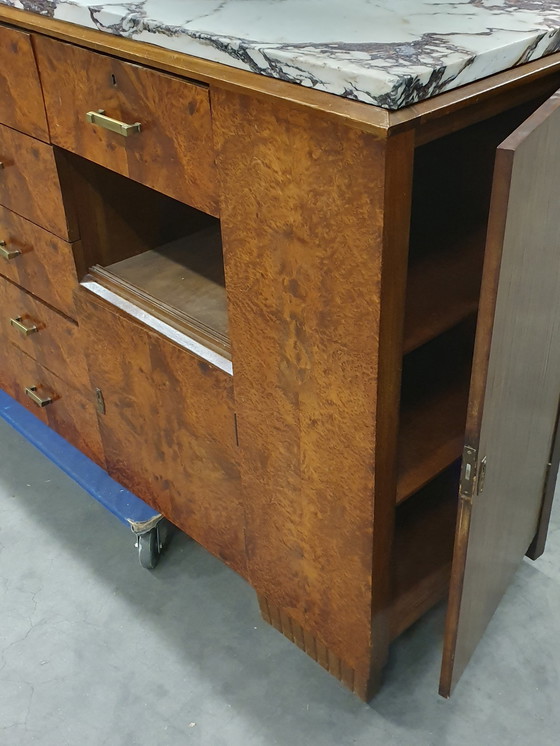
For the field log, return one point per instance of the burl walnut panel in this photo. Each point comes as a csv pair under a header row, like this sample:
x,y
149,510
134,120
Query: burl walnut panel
x,y
45,265
21,99
311,260
30,185
70,414
169,427
57,343
173,153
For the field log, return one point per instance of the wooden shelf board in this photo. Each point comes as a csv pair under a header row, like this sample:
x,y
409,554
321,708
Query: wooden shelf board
x,y
181,283
443,289
423,550
432,436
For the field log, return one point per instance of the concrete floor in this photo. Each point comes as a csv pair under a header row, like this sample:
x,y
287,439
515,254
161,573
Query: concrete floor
x,y
96,651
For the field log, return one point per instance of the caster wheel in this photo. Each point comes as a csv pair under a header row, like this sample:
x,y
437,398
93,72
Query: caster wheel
x,y
148,549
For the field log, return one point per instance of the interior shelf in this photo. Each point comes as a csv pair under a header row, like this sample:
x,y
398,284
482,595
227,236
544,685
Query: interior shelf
x,y
451,193
181,282
434,399
423,549
443,288
163,256
432,437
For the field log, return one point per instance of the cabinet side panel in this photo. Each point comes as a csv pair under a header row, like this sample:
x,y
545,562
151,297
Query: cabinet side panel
x,y
304,235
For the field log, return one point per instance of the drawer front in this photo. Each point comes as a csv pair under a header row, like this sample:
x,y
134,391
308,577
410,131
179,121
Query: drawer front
x,y
68,412
38,261
172,152
168,430
29,183
21,99
43,334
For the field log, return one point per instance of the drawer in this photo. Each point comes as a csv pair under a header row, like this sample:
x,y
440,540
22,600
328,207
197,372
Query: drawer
x,y
68,412
173,151
21,99
168,430
38,261
29,183
51,339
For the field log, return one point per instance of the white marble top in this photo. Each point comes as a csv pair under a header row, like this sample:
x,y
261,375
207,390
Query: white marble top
x,y
390,53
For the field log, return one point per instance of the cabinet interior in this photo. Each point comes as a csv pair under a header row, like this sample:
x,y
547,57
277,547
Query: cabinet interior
x,y
452,186
162,255
423,549
434,397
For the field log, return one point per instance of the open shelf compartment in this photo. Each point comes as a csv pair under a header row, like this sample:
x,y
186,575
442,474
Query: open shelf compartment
x,y
161,255
452,185
451,194
434,398
423,549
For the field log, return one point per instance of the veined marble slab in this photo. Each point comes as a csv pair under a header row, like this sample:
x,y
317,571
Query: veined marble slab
x,y
390,53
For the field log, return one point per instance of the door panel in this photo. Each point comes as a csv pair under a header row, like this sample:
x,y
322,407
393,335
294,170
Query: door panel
x,y
167,426
515,385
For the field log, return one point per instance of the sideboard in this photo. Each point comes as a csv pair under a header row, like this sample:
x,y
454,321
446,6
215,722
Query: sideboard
x,y
319,336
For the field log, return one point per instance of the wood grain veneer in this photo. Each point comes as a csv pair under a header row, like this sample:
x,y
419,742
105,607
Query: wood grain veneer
x,y
30,184
45,265
173,153
57,345
21,97
316,330
71,414
514,395
168,429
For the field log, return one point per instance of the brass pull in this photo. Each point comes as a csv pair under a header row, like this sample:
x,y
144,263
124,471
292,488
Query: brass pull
x,y
31,392
113,125
22,327
8,253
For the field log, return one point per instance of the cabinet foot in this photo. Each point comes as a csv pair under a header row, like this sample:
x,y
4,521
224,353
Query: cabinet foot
x,y
363,682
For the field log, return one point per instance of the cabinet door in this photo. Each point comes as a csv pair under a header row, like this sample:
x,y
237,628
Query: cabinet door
x,y
515,385
167,425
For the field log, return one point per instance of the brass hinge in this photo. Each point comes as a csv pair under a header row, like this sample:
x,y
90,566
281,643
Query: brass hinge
x,y
99,401
468,472
472,475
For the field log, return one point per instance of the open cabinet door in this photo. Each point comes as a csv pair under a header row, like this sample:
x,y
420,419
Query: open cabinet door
x,y
515,385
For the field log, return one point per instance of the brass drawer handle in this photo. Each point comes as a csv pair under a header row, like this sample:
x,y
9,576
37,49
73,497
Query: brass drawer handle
x,y
8,253
31,392
22,327
113,125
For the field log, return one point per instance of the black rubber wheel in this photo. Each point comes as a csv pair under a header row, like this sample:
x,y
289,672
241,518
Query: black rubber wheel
x,y
148,549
